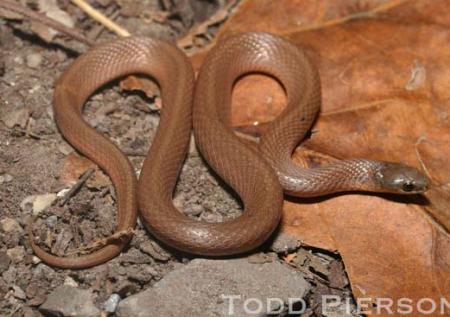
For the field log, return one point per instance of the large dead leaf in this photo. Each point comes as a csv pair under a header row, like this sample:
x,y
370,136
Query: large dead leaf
x,y
385,69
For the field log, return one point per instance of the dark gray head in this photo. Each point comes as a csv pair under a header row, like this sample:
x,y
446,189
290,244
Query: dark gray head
x,y
401,179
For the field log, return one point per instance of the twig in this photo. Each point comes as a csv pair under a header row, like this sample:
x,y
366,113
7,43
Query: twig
x,y
131,152
101,18
96,31
77,186
36,16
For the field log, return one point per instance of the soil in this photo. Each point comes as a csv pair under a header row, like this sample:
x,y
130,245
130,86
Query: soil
x,y
34,159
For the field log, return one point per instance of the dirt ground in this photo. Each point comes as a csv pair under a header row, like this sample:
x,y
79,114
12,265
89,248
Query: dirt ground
x,y
33,155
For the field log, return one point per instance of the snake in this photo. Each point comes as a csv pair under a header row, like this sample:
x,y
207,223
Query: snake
x,y
259,174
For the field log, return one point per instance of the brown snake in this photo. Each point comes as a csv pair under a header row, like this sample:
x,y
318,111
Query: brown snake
x,y
251,171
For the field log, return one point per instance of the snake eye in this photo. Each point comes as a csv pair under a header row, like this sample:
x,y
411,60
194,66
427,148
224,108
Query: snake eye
x,y
408,187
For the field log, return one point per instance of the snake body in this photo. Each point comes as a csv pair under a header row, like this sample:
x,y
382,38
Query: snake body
x,y
258,174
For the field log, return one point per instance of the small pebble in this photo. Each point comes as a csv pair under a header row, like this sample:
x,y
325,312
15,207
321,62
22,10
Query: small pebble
x,y
285,243
111,303
18,60
6,178
43,270
51,221
37,203
178,201
69,301
10,275
34,60
18,292
65,148
42,202
16,254
35,260
4,261
70,282
211,217
10,225
194,210
17,117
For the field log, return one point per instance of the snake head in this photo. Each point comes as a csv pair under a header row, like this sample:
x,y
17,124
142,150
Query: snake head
x,y
401,179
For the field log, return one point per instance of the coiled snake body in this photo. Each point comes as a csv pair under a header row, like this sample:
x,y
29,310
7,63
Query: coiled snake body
x,y
255,173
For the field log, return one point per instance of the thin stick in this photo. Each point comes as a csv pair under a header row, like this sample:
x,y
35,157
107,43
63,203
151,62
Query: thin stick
x,y
77,186
96,31
101,18
36,16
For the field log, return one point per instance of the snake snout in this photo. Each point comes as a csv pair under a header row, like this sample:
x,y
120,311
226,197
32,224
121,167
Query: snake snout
x,y
401,179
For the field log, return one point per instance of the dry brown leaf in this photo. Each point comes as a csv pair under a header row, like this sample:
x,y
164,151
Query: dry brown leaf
x,y
147,86
385,70
73,167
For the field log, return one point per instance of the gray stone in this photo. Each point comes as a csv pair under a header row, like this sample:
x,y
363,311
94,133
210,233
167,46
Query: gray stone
x,y
284,243
34,60
16,254
51,221
9,225
69,301
18,292
193,210
18,117
4,261
38,203
68,281
111,303
206,288
5,178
